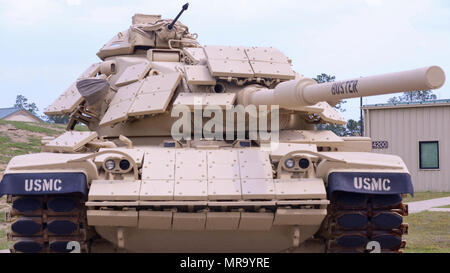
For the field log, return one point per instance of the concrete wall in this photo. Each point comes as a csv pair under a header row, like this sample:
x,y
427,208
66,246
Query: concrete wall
x,y
403,128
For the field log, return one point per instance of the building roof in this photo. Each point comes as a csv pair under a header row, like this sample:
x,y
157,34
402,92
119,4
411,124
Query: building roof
x,y
430,103
6,112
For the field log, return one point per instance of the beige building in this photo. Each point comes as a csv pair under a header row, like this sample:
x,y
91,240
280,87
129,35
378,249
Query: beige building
x,y
419,133
18,114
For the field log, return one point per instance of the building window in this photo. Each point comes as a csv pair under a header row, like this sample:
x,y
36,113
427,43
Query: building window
x,y
429,154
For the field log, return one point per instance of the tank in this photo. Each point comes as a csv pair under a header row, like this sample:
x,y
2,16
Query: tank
x,y
197,148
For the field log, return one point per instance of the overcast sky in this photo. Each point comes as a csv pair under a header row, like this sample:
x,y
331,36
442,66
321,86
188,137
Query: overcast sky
x,y
46,44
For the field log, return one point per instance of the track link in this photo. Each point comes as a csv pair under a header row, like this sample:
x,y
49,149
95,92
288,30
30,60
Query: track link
x,y
356,219
47,224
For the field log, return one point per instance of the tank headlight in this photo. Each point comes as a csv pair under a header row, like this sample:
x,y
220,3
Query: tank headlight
x,y
304,163
110,164
289,163
124,164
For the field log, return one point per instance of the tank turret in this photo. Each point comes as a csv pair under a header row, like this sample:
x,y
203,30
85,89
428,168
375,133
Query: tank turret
x,y
217,75
156,55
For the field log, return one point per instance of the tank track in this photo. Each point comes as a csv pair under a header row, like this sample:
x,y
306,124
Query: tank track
x,y
47,223
356,219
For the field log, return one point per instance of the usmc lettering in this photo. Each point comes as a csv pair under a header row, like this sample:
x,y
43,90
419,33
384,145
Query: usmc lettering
x,y
372,184
347,87
37,185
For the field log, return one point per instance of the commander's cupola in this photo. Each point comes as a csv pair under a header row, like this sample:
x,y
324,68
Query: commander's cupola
x,y
148,32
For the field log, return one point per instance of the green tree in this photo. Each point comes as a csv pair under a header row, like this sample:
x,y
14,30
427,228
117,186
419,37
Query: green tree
x,y
58,119
22,102
415,96
324,78
353,127
337,129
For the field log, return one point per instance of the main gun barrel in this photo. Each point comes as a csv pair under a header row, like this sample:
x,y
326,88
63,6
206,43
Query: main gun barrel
x,y
305,91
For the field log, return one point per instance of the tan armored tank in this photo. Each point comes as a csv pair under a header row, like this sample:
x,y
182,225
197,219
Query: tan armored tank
x,y
207,149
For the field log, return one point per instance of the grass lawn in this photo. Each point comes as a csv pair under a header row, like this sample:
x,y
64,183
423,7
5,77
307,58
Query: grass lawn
x,y
34,127
80,127
420,196
20,138
429,232
3,243
9,148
